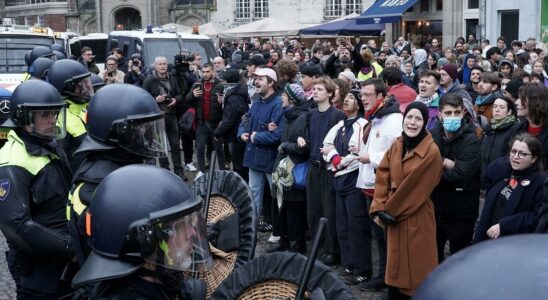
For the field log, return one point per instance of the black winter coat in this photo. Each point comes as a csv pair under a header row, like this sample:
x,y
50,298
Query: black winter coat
x,y
520,213
494,145
235,106
334,66
153,86
216,109
457,194
542,136
296,126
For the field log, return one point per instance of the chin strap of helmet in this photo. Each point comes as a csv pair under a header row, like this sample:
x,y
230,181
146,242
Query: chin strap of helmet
x,y
78,98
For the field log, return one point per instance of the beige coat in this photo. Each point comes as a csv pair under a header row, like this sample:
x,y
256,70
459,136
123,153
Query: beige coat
x,y
403,188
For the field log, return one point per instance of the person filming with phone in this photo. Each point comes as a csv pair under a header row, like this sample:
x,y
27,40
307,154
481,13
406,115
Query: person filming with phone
x,y
135,74
111,74
163,87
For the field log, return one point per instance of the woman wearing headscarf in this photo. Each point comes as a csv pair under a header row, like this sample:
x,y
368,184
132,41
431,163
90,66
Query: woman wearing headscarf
x,y
402,204
464,74
340,150
290,208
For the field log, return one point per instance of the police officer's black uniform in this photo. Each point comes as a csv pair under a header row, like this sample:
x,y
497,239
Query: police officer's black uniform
x,y
34,184
73,82
139,251
109,145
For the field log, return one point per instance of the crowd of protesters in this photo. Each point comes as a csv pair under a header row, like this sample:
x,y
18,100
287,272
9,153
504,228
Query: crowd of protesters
x,y
424,149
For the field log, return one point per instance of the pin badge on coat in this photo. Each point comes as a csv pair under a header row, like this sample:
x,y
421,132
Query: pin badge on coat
x,y
4,189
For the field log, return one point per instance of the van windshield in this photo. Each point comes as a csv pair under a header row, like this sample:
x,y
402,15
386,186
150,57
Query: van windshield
x,y
161,47
13,49
204,47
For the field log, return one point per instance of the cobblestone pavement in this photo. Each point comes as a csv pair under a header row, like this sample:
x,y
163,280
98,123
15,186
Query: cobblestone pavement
x,y
7,286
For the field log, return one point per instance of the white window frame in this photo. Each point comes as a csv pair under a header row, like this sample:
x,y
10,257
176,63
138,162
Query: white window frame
x,y
260,9
243,10
338,8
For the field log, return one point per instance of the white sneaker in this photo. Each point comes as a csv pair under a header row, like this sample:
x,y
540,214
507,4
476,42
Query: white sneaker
x,y
273,239
190,167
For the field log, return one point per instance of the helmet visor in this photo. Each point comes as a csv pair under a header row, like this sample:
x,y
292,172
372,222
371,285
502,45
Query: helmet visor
x,y
45,122
182,244
145,136
84,88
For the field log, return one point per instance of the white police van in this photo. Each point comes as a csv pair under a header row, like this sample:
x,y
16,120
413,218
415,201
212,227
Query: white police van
x,y
159,41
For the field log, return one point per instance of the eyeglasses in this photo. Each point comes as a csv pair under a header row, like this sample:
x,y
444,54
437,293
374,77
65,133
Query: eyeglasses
x,y
111,65
520,154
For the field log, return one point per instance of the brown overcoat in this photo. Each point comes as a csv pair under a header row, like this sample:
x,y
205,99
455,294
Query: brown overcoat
x,y
403,188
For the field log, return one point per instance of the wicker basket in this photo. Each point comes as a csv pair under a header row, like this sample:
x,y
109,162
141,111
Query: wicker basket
x,y
272,290
223,263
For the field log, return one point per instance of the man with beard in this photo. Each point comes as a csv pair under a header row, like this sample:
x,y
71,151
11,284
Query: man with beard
x,y
262,144
436,47
209,113
275,56
338,61
449,83
488,91
473,85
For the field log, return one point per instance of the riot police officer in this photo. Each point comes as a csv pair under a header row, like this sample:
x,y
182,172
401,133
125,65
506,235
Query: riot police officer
x,y
96,82
34,54
157,232
34,184
39,68
125,126
73,82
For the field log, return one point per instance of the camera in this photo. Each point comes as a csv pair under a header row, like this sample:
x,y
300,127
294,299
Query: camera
x,y
135,61
181,62
109,74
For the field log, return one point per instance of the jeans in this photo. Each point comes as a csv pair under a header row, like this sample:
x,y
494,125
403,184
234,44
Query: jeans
x,y
379,236
204,132
320,202
256,185
354,232
172,130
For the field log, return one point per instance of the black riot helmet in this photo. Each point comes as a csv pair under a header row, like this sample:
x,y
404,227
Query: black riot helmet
x,y
96,82
36,106
126,116
71,79
58,47
41,51
39,68
157,220
496,269
59,55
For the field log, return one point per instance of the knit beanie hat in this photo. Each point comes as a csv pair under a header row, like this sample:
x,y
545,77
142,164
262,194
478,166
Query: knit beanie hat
x,y
393,58
451,69
295,93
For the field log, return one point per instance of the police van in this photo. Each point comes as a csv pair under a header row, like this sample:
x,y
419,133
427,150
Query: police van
x,y
98,44
62,38
153,42
15,42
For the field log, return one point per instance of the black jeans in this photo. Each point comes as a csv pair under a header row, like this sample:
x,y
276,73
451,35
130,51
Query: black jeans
x,y
353,231
379,236
237,150
459,232
320,202
188,146
204,132
172,130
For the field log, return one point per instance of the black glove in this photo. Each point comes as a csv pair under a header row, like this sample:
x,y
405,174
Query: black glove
x,y
212,232
386,218
281,148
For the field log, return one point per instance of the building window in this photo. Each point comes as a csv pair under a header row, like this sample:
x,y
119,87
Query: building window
x,y
40,21
439,5
243,10
261,9
353,6
473,4
339,8
424,5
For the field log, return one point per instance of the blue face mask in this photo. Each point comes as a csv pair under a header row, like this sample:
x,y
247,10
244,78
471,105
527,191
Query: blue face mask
x,y
452,124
